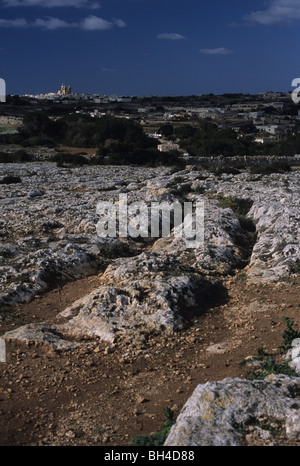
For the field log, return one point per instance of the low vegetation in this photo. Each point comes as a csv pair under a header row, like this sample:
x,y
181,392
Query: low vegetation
x,y
116,249
120,141
240,207
289,334
229,170
10,180
266,364
64,159
207,139
158,438
275,167
16,157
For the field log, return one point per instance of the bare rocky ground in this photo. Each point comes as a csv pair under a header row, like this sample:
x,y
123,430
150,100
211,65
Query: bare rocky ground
x,y
97,345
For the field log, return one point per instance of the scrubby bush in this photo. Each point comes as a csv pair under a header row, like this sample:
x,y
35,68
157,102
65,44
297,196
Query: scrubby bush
x,y
269,365
65,158
120,142
22,156
158,438
275,167
11,180
116,249
240,206
15,157
39,141
5,157
272,363
199,190
289,334
227,170
130,154
207,139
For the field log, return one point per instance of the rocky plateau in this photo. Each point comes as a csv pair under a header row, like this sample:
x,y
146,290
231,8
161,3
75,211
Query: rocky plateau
x,y
147,286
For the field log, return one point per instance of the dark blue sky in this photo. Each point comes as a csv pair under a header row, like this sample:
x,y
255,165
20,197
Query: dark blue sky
x,y
138,47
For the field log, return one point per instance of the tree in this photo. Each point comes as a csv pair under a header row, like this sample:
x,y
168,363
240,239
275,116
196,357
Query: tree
x,y
166,130
185,131
38,124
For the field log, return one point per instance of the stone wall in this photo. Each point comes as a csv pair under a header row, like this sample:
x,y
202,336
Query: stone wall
x,y
246,161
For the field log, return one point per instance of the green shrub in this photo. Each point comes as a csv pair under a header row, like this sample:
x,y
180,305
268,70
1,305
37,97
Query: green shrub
x,y
227,170
129,145
22,156
268,363
199,190
295,267
289,334
268,366
157,439
39,141
5,157
239,206
15,157
114,250
176,180
66,158
11,180
275,167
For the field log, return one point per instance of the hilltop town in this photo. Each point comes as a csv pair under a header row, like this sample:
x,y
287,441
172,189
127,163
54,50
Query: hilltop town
x,y
268,116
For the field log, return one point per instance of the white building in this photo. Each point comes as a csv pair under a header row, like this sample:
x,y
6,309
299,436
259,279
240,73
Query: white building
x,y
271,129
168,147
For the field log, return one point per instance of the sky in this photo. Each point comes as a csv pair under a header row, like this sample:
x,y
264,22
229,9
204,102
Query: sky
x,y
156,47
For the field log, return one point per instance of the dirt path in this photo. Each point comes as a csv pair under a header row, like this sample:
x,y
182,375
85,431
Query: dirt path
x,y
96,395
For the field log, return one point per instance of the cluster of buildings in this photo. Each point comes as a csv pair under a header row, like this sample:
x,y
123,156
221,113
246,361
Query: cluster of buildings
x,y
271,115
66,95
64,90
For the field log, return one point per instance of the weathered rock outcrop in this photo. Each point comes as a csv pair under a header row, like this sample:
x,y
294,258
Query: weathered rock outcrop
x,y
48,236
48,231
217,411
277,250
275,211
35,267
42,335
139,296
146,294
219,254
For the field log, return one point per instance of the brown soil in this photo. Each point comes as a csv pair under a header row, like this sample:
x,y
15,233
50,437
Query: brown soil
x,y
79,150
95,395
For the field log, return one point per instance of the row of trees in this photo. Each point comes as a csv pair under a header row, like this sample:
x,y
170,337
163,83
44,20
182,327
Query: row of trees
x,y
119,141
81,130
123,141
207,139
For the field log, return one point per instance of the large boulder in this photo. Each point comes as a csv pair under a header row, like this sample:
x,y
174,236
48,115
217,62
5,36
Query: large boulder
x,y
217,412
146,294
